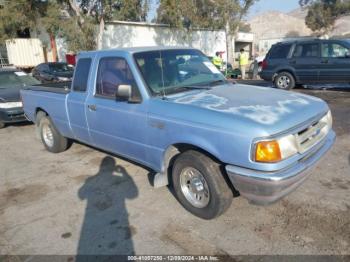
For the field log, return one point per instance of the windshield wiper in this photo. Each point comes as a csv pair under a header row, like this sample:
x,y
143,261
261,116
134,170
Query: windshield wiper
x,y
194,87
213,83
170,90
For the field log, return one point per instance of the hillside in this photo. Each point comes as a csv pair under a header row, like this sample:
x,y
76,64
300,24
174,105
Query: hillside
x,y
298,13
341,27
274,24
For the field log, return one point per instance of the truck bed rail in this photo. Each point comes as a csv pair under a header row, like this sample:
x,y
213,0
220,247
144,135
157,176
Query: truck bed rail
x,y
60,87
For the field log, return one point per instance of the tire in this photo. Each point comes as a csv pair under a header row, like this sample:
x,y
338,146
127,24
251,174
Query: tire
x,y
284,80
53,141
216,194
2,125
38,118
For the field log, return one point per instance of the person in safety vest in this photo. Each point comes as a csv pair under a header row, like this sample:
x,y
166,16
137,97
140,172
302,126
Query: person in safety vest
x,y
243,62
217,60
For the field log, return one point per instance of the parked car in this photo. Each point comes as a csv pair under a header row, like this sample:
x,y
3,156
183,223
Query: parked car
x,y
170,109
11,81
53,72
288,64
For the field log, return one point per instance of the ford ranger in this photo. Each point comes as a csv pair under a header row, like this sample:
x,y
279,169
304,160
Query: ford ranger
x,y
171,110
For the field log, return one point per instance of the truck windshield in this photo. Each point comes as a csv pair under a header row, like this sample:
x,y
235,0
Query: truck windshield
x,y
16,79
178,70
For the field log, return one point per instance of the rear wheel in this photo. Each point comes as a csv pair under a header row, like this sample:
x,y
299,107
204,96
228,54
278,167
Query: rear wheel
x,y
2,124
53,141
284,80
200,186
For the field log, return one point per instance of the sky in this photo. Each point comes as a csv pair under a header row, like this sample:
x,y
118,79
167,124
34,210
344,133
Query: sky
x,y
269,5
259,7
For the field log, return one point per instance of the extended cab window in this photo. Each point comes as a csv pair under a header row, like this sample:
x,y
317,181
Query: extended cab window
x,y
306,50
81,74
280,51
334,50
112,72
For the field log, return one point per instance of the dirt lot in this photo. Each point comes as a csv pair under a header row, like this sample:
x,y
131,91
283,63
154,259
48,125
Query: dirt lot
x,y
84,202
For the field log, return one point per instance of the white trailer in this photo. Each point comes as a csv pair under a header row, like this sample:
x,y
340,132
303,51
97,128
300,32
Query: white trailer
x,y
134,34
25,52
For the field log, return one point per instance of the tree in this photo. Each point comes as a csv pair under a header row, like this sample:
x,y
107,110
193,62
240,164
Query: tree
x,y
76,21
244,27
21,15
232,12
89,13
209,14
322,14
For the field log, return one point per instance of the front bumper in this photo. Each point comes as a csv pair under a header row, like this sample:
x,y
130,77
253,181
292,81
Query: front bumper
x,y
261,187
12,115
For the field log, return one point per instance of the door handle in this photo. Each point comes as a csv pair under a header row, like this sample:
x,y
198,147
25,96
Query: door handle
x,y
324,61
293,62
92,107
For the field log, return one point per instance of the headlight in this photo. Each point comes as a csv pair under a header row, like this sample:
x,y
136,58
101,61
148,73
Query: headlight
x,y
328,120
10,105
275,150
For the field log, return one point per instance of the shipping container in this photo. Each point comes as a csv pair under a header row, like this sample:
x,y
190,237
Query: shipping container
x,y
25,52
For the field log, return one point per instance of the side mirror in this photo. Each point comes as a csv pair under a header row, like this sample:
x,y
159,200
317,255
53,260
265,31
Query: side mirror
x,y
125,93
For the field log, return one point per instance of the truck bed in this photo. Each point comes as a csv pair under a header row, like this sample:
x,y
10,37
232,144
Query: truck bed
x,y
59,87
52,99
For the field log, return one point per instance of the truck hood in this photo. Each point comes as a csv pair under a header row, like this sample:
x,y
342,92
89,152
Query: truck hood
x,y
271,109
10,94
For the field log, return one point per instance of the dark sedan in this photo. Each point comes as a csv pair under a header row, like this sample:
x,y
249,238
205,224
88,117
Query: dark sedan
x,y
11,81
53,72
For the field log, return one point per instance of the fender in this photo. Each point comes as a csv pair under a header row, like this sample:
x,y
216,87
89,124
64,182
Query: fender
x,y
162,178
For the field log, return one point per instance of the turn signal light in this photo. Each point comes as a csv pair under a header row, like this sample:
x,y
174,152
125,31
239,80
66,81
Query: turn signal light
x,y
268,152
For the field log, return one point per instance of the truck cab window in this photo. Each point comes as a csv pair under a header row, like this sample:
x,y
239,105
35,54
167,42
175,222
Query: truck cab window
x,y
81,74
112,72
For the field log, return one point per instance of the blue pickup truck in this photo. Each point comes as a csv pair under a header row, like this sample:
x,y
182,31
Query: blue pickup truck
x,y
170,109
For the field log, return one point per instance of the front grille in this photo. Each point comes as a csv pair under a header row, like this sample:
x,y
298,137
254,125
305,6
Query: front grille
x,y
310,136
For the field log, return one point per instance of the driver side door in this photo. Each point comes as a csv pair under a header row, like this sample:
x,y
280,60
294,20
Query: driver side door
x,y
116,126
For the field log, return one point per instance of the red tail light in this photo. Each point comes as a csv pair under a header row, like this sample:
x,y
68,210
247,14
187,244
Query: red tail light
x,y
264,64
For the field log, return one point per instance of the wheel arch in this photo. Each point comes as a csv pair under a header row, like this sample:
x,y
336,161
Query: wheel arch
x,y
39,109
288,70
177,148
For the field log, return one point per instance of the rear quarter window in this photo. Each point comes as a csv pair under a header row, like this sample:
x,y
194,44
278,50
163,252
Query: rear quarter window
x,y
280,51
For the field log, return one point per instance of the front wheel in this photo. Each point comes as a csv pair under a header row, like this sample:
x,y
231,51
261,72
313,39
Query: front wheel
x,y
200,186
53,141
284,80
2,124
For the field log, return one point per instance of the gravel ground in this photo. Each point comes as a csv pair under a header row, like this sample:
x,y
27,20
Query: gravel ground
x,y
84,202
